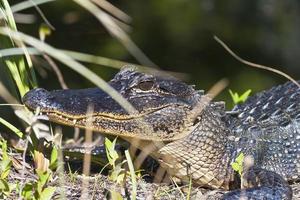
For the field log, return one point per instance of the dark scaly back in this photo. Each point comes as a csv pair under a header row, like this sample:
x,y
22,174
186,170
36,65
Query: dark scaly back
x,y
267,126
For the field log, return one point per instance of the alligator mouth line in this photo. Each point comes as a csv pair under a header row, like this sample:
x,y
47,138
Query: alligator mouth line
x,y
104,115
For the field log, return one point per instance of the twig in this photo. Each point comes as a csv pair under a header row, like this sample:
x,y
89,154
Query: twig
x,y
56,70
254,64
42,15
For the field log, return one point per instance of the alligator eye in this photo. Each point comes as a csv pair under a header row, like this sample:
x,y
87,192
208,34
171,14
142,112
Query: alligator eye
x,y
146,85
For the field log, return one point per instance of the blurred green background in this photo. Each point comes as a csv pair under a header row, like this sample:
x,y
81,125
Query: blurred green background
x,y
177,35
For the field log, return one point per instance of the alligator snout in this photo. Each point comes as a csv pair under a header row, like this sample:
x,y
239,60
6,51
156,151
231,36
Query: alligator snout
x,y
35,98
71,102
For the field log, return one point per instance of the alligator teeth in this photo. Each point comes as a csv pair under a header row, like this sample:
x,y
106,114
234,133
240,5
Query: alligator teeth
x,y
74,121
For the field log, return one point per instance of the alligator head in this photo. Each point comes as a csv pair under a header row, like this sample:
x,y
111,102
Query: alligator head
x,y
162,103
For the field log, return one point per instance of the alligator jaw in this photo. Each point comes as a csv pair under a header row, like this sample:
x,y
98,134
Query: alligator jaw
x,y
101,122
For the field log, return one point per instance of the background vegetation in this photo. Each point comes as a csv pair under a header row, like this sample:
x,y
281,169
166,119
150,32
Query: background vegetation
x,y
176,35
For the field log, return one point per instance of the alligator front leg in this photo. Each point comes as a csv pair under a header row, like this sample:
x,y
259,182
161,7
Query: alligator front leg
x,y
261,184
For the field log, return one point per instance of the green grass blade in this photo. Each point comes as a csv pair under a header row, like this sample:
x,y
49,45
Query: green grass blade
x,y
12,66
9,15
11,127
16,64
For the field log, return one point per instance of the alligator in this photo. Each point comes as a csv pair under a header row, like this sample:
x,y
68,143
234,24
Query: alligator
x,y
200,139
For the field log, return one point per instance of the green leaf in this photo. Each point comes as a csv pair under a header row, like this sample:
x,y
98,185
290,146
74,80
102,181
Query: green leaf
x,y
47,193
237,165
120,178
27,192
4,187
239,98
116,195
240,158
4,149
53,159
5,168
117,174
5,163
108,143
43,177
245,96
111,153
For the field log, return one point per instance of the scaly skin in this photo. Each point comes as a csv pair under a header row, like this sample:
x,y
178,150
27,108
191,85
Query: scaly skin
x,y
200,140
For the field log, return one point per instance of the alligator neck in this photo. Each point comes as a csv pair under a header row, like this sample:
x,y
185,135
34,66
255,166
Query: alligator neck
x,y
205,154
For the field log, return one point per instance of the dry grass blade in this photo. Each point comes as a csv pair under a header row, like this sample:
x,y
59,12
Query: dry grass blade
x,y
114,11
87,156
148,149
203,102
117,64
206,99
21,18
88,141
27,4
42,15
176,187
159,176
18,51
218,87
116,31
99,60
60,162
118,16
254,64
